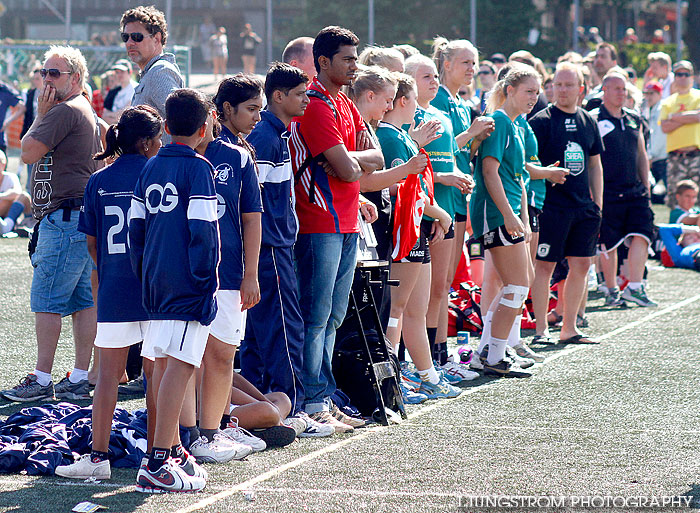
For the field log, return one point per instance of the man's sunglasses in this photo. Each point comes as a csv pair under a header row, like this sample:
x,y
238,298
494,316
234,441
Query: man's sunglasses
x,y
53,73
136,37
485,72
682,74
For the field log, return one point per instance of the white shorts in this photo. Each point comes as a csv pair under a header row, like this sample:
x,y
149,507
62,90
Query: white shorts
x,y
229,323
120,334
182,340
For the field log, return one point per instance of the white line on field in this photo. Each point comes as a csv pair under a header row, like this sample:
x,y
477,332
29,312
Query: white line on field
x,y
246,485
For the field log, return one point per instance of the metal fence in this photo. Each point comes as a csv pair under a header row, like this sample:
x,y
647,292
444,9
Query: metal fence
x,y
16,61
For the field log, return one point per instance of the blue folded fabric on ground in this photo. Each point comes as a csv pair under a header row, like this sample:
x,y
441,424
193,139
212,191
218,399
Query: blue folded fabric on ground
x,y
40,438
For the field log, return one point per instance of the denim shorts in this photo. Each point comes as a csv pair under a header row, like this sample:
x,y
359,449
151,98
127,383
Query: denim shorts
x,y
62,267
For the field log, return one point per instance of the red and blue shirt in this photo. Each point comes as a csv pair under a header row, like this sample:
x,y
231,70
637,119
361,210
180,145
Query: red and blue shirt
x,y
335,205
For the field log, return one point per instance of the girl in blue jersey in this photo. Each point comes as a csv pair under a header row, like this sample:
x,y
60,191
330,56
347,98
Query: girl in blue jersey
x,y
455,61
238,104
121,318
499,210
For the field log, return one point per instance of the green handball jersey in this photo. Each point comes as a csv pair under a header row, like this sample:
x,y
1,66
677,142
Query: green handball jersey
x,y
397,148
535,188
460,116
506,145
442,155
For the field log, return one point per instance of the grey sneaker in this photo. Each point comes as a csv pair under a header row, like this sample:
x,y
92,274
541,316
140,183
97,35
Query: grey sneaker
x,y
29,390
74,391
638,296
612,298
133,387
525,352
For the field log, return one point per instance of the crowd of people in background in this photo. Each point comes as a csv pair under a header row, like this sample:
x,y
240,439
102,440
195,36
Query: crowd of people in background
x,y
175,228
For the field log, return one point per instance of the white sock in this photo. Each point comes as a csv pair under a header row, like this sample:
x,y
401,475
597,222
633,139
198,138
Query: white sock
x,y
514,335
497,350
77,375
486,332
43,378
6,225
429,375
634,285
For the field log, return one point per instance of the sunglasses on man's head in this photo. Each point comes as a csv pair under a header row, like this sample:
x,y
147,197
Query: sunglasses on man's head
x,y
136,37
53,73
682,74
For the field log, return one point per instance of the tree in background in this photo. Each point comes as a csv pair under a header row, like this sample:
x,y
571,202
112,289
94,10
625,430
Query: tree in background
x,y
503,25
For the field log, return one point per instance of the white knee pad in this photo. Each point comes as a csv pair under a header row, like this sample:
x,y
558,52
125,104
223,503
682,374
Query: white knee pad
x,y
519,296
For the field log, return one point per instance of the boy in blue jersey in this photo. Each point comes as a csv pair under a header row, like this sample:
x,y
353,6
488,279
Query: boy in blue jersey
x,y
238,212
175,252
121,318
272,350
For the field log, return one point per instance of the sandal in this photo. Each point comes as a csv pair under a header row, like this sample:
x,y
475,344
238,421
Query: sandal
x,y
557,319
542,339
578,339
581,321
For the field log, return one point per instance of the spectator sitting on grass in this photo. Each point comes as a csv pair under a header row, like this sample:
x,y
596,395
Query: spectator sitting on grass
x,y
682,243
13,201
686,196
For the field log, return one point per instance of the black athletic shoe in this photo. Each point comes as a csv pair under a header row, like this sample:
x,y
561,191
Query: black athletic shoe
x,y
276,436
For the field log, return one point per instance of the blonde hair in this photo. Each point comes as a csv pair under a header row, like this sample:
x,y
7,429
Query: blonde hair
x,y
444,51
570,66
517,75
574,57
405,84
635,94
660,57
380,56
414,62
74,59
371,78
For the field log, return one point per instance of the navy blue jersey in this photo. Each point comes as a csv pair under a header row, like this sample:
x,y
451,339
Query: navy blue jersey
x,y
104,215
175,236
279,221
237,192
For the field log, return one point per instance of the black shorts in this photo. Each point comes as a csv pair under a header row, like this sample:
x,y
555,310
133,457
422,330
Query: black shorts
x,y
420,253
534,215
499,237
561,271
475,248
451,232
460,218
624,218
568,232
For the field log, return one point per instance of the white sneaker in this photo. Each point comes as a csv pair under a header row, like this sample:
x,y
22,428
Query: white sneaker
x,y
84,468
523,363
168,478
219,450
314,429
325,417
240,435
296,423
459,370
476,363
525,352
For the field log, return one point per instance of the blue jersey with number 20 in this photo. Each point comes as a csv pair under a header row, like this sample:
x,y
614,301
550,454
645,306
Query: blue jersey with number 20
x,y
105,216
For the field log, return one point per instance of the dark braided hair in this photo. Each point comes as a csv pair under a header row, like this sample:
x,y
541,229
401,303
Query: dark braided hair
x,y
135,125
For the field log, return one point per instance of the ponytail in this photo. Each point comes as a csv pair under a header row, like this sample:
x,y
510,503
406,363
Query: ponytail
x,y
135,125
